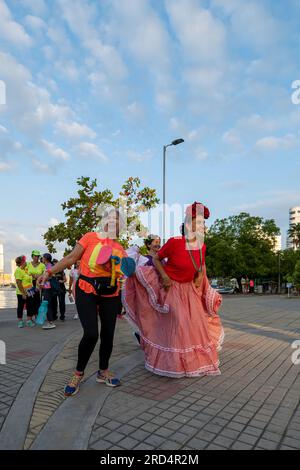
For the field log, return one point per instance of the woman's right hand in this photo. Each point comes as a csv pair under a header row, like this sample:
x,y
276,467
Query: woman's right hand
x,y
167,283
43,279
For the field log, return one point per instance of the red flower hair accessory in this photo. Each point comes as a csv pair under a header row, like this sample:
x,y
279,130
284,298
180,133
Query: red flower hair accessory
x,y
197,208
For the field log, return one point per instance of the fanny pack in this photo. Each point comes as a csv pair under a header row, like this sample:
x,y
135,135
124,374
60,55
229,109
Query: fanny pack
x,y
101,285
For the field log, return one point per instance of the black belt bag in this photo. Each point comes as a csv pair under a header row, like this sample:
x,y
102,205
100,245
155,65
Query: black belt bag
x,y
101,284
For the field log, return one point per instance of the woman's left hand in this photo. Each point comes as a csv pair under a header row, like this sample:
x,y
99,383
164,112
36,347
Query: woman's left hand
x,y
198,280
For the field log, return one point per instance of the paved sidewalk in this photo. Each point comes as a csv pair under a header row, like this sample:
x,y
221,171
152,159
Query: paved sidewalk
x,y
254,404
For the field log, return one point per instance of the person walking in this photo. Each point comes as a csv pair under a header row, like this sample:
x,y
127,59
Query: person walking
x,y
24,285
35,270
61,295
175,308
49,292
97,294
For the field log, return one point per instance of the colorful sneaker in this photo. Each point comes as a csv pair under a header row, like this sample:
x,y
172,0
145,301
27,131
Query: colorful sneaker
x,y
109,380
49,326
30,324
73,386
21,324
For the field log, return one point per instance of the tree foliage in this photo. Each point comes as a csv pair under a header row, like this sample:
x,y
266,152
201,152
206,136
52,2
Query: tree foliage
x,y
294,234
81,211
242,245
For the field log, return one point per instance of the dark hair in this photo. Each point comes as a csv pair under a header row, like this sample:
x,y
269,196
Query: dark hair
x,y
182,229
48,257
20,260
149,240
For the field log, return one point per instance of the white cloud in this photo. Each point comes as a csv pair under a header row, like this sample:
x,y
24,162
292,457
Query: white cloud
x,y
141,32
35,22
42,167
233,139
201,155
68,70
29,106
12,31
272,204
55,151
80,17
37,7
276,143
252,24
4,167
139,157
135,111
53,221
74,130
202,36
89,150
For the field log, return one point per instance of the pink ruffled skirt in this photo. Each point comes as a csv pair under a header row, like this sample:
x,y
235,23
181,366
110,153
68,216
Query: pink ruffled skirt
x,y
181,332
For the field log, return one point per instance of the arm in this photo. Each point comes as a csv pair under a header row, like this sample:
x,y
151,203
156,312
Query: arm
x,y
71,280
68,260
165,278
21,288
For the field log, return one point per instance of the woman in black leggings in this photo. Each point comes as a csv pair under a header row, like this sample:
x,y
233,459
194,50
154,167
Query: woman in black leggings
x,y
97,294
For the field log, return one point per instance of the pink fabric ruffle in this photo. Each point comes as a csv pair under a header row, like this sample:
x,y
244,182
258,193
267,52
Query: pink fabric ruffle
x,y
181,331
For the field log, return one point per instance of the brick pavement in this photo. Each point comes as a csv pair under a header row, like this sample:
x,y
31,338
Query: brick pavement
x,y
254,404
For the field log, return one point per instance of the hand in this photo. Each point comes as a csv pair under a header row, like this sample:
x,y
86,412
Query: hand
x,y
198,280
43,279
24,296
167,283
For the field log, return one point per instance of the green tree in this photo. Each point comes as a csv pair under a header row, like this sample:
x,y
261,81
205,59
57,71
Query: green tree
x,y
242,245
289,259
296,276
294,234
81,214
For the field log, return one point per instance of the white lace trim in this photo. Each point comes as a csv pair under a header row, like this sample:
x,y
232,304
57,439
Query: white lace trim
x,y
203,371
151,293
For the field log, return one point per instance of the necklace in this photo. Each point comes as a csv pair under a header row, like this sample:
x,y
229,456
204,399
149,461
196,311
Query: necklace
x,y
198,268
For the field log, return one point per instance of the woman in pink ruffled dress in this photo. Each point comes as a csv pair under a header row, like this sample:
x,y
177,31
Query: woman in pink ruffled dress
x,y
174,306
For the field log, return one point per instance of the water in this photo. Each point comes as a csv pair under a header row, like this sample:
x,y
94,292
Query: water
x,y
8,298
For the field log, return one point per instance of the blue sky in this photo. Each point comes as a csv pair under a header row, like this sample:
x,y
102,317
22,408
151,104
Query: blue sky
x,y
97,87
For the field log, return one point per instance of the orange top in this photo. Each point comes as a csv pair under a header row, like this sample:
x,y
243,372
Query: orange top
x,y
92,244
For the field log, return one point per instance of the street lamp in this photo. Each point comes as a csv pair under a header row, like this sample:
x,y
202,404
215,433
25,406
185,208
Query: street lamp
x,y
175,142
279,269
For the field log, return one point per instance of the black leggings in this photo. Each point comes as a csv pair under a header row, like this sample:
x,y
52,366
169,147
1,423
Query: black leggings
x,y
29,307
36,301
87,307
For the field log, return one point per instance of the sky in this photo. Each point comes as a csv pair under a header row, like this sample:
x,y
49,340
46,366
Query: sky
x,y
97,87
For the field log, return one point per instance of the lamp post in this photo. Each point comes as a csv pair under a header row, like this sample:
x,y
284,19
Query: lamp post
x,y
175,142
279,268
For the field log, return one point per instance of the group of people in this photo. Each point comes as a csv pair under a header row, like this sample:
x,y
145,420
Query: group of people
x,y
30,293
166,296
247,285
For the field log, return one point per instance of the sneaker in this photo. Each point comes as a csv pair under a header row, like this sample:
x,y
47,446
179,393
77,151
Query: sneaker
x,y
110,380
30,324
76,316
73,386
62,319
21,324
49,326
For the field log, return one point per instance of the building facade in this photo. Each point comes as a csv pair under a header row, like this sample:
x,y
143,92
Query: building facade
x,y
294,218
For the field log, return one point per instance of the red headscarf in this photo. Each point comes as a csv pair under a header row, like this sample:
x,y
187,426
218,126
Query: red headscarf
x,y
197,208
